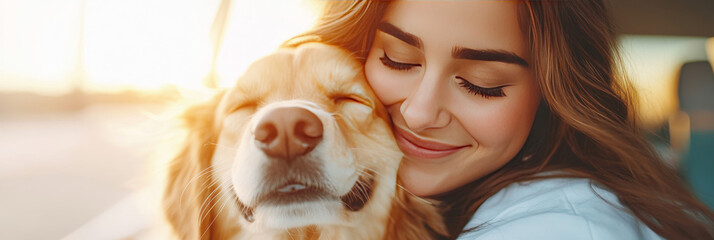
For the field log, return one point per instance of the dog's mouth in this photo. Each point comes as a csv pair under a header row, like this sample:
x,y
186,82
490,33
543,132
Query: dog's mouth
x,y
294,192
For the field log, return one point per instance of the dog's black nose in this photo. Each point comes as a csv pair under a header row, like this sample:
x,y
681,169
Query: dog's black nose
x,y
288,132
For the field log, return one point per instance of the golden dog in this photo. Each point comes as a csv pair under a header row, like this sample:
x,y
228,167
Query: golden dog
x,y
299,148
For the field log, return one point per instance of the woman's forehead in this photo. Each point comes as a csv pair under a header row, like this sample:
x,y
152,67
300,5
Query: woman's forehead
x,y
469,24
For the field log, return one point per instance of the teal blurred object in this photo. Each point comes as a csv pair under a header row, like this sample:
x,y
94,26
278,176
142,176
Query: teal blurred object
x,y
698,166
696,99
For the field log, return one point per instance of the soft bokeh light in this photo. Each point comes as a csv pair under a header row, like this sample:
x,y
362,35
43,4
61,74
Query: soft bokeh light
x,y
258,28
146,44
39,41
652,63
135,44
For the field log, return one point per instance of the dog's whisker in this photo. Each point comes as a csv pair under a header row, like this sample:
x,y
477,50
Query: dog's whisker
x,y
363,169
215,188
418,198
211,199
220,199
216,199
200,175
214,218
203,209
363,192
291,235
208,173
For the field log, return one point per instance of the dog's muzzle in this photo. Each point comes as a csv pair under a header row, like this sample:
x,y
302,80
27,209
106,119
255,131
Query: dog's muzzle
x,y
287,136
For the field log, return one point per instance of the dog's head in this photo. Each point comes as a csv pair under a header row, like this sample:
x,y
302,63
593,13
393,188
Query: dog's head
x,y
300,144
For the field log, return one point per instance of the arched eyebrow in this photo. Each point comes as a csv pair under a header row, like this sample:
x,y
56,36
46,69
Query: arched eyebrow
x,y
406,37
488,55
457,52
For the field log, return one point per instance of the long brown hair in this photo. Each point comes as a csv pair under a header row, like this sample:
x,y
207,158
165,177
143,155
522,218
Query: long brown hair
x,y
585,125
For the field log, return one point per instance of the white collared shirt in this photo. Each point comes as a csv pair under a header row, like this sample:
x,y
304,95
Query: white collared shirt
x,y
557,208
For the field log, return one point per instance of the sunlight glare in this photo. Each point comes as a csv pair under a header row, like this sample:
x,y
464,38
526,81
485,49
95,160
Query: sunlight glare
x,y
136,44
257,28
146,44
38,44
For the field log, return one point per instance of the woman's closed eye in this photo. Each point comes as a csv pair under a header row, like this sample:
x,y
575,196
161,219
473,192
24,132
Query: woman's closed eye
x,y
482,91
470,87
400,66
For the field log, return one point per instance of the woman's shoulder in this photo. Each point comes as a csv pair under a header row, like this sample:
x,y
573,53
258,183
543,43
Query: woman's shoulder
x,y
555,208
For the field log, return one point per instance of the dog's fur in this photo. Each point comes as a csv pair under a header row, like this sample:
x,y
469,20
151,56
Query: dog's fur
x,y
215,183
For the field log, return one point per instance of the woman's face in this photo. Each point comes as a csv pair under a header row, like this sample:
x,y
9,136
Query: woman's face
x,y
456,81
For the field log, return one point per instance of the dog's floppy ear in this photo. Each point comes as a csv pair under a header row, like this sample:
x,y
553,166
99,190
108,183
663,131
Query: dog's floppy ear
x,y
189,176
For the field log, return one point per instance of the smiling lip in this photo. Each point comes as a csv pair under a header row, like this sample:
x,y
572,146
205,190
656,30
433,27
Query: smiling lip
x,y
413,146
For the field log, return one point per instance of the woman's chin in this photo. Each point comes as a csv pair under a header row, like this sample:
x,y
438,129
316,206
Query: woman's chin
x,y
421,183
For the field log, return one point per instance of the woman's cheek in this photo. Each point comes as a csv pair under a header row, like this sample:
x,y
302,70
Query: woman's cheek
x,y
501,126
384,82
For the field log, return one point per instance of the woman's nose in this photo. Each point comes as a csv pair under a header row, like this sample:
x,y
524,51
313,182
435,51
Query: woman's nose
x,y
424,107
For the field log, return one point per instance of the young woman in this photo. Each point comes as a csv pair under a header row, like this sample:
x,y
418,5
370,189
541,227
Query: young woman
x,y
512,115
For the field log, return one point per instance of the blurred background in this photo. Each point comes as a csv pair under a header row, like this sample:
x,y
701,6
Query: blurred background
x,y
85,86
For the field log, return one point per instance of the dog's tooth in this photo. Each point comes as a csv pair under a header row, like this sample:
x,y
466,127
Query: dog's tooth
x,y
291,188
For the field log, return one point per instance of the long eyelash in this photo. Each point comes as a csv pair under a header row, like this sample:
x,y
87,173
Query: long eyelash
x,y
484,92
396,65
